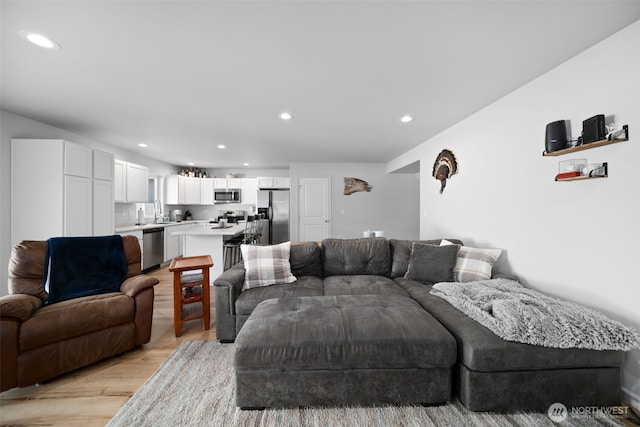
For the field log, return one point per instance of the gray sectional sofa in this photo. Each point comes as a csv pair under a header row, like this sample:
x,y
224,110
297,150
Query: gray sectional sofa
x,y
280,329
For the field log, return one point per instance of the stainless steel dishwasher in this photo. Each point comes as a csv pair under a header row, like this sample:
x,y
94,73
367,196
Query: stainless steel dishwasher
x,y
152,247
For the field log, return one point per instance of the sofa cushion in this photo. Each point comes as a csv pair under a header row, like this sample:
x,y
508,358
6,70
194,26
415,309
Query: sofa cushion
x,y
479,349
356,256
342,332
73,318
401,252
429,263
306,259
304,287
473,263
266,265
361,285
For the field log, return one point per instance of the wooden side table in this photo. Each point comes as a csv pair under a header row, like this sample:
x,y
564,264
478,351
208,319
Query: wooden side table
x,y
195,303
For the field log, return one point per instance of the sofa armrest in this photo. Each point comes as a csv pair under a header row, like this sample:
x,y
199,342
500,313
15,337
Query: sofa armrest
x,y
19,306
233,278
228,286
131,286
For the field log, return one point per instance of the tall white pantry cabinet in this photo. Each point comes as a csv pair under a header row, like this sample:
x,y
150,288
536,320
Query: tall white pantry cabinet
x,y
60,188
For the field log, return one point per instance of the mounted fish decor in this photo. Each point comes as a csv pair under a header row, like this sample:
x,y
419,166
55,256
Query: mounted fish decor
x,y
353,185
444,167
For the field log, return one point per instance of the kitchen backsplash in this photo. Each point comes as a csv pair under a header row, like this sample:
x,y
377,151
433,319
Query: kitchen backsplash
x,y
125,214
212,211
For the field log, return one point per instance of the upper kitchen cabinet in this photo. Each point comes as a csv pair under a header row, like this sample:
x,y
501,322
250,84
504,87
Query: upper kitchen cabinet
x,y
249,191
228,183
266,183
183,190
103,165
77,160
206,191
56,178
137,183
131,182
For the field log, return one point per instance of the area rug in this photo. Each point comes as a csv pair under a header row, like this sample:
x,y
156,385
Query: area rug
x,y
195,386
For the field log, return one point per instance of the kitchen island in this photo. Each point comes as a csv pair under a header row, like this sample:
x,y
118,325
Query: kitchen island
x,y
209,241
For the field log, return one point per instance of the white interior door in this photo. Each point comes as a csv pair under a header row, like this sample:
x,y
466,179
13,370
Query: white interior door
x,y
314,209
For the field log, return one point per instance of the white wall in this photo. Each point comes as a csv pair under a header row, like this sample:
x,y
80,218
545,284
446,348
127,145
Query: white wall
x,y
392,205
575,240
15,126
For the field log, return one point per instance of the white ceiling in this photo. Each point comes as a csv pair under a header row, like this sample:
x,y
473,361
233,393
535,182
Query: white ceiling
x,y
183,76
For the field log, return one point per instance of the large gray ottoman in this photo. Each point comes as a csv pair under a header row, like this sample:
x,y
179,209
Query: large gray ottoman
x,y
345,349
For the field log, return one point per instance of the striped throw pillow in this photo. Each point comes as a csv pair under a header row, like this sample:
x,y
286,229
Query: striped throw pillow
x,y
473,263
266,265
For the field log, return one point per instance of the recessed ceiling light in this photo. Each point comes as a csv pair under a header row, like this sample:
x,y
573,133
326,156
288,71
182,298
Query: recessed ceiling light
x,y
286,115
143,145
406,119
245,164
222,146
191,164
40,40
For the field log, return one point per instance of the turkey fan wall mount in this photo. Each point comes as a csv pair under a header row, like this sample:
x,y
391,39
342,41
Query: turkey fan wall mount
x,y
445,167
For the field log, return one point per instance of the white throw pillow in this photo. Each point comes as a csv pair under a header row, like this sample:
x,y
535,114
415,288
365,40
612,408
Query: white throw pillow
x,y
473,263
266,265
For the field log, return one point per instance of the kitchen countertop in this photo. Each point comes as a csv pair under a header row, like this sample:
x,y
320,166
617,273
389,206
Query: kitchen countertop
x,y
208,231
153,225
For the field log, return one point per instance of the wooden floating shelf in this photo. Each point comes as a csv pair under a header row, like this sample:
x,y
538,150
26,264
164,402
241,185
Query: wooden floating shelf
x,y
580,178
596,144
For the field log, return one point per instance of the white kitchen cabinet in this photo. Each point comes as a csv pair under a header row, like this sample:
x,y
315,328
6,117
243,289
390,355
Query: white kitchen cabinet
x,y
182,190
77,206
219,183
224,183
103,208
206,191
274,182
131,182
192,191
103,167
119,181
172,243
77,160
45,201
137,183
249,191
174,187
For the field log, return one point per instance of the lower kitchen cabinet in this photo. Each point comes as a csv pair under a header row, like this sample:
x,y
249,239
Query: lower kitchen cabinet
x,y
172,243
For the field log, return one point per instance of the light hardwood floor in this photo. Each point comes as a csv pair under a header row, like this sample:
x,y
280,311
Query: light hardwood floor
x,y
91,396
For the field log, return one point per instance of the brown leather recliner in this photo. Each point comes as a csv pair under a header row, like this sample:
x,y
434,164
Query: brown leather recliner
x,y
39,342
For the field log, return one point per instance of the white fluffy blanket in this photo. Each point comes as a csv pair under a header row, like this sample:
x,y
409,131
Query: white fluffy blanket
x,y
516,313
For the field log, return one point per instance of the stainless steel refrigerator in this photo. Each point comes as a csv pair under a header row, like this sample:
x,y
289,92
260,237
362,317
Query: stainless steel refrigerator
x,y
275,205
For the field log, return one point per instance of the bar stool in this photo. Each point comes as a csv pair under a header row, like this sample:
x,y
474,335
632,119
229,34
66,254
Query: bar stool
x,y
232,252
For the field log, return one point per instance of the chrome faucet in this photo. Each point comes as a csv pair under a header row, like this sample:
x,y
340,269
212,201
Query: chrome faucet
x,y
157,210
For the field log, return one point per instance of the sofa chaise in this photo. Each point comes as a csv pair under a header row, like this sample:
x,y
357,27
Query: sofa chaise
x,y
488,373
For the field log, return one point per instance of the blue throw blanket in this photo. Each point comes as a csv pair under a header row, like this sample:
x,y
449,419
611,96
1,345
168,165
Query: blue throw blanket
x,y
82,266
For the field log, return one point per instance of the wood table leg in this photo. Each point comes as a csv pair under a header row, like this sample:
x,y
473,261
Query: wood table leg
x,y
177,304
206,301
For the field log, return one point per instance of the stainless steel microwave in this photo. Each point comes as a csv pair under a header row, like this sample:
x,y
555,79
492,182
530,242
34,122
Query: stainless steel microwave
x,y
227,196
